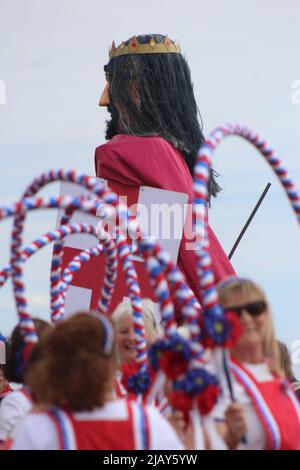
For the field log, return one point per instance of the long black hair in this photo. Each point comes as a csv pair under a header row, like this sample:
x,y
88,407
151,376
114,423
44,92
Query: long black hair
x,y
152,94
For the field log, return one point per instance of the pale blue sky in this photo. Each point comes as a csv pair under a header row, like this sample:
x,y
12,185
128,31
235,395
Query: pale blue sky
x,y
243,56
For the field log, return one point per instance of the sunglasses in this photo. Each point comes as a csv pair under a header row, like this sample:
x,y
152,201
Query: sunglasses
x,y
254,308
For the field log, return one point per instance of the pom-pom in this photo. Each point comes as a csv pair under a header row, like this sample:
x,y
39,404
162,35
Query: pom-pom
x,y
171,355
236,328
220,328
207,400
182,402
134,379
198,385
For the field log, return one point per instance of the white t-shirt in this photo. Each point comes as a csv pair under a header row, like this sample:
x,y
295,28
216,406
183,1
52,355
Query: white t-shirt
x,y
13,408
37,430
256,435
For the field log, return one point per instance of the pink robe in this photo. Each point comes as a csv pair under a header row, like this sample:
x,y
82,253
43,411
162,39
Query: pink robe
x,y
154,162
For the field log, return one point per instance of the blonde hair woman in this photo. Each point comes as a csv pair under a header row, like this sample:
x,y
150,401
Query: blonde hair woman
x,y
122,320
125,345
123,324
266,413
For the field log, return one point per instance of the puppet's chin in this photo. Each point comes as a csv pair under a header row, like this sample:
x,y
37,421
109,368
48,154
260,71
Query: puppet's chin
x,y
112,127
111,130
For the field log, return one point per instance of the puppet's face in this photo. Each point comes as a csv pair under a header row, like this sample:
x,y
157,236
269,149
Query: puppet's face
x,y
112,127
104,100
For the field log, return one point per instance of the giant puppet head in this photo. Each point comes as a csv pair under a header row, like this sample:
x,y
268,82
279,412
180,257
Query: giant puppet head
x,y
149,91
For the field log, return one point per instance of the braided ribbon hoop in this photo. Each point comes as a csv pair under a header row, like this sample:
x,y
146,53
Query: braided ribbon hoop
x,y
49,237
110,273
162,293
173,356
163,273
162,269
183,361
139,383
91,184
266,151
108,198
55,275
88,206
74,266
29,204
76,263
139,380
111,267
56,302
216,328
107,246
70,205
26,323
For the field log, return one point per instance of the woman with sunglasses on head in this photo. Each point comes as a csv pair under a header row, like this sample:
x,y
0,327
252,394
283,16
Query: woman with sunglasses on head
x,y
265,413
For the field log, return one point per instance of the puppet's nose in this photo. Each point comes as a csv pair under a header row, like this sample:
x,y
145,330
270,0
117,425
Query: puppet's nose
x,y
104,100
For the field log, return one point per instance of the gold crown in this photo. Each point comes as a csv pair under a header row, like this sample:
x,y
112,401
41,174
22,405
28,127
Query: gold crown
x,y
152,47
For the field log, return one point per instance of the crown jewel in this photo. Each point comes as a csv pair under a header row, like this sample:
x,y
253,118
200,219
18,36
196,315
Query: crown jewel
x,y
152,47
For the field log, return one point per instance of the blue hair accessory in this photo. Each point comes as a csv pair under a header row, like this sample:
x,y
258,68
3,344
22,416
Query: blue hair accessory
x,y
108,332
